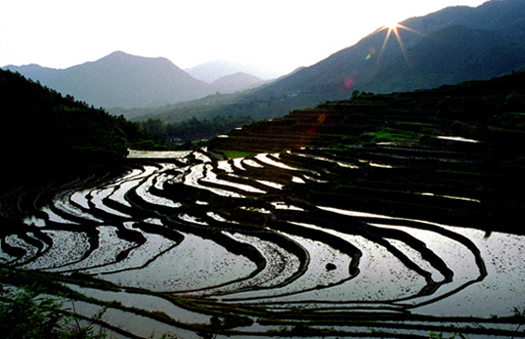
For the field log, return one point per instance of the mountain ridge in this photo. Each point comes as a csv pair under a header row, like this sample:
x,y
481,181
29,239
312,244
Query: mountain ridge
x,y
121,80
446,47
129,81
355,67
374,64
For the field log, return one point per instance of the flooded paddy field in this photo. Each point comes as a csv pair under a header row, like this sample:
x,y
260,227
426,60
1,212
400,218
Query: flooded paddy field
x,y
372,241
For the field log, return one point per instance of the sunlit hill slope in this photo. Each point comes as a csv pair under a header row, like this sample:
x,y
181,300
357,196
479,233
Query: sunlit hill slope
x,y
447,47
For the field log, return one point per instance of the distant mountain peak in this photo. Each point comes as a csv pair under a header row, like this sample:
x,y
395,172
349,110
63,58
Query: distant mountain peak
x,y
122,80
214,70
236,82
120,56
116,56
240,75
116,53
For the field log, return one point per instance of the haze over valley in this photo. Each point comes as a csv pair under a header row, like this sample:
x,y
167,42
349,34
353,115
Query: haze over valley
x,y
446,47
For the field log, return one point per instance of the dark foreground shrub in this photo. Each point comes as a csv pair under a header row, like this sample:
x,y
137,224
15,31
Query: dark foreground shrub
x,y
29,313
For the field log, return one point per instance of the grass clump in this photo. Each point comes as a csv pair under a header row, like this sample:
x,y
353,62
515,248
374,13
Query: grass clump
x,y
231,154
389,134
30,313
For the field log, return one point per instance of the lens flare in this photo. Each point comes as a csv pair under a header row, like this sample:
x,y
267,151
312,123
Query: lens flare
x,y
349,82
372,52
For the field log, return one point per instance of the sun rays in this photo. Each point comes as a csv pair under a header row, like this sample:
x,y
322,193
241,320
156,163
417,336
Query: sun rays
x,y
394,28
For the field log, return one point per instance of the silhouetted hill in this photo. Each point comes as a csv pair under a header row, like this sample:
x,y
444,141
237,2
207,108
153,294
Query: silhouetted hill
x,y
445,47
121,80
39,125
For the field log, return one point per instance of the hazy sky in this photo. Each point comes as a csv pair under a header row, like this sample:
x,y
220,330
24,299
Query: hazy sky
x,y
278,34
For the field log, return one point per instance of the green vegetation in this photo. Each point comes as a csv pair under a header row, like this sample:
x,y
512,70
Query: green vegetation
x,y
391,135
236,154
31,313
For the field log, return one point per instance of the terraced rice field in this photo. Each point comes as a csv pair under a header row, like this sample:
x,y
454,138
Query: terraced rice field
x,y
374,241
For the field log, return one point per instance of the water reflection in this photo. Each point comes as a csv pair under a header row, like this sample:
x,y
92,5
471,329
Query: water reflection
x,y
230,231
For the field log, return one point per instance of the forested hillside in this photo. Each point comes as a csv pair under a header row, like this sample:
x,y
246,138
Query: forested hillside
x,y
39,125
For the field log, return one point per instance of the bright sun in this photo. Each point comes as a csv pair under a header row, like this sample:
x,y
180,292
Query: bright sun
x,y
393,29
393,26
